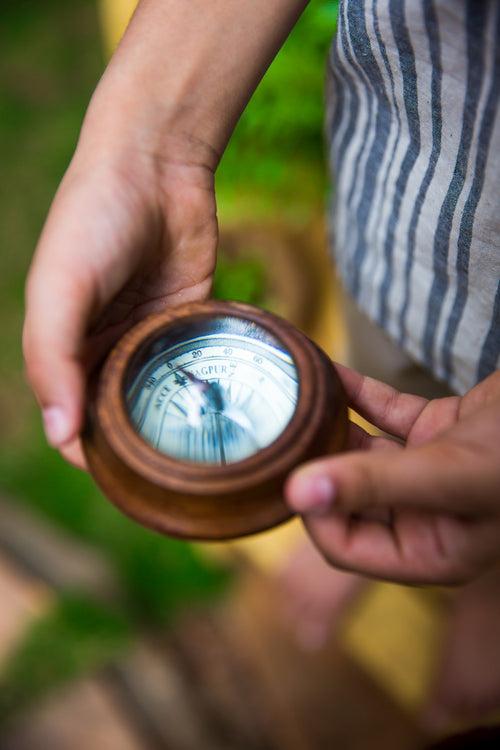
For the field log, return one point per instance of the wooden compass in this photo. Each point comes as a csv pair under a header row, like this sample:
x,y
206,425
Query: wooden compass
x,y
200,413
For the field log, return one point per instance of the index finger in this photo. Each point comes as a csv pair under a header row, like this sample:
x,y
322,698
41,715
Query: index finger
x,y
415,547
387,408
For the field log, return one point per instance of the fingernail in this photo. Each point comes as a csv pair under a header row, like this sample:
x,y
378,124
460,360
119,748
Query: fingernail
x,y
57,428
310,493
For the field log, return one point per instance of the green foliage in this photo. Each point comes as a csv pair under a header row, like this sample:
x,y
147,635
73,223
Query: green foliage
x,y
275,156
74,637
51,58
274,163
166,575
241,280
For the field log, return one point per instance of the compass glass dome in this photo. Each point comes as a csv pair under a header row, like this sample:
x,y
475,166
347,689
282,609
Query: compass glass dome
x,y
211,390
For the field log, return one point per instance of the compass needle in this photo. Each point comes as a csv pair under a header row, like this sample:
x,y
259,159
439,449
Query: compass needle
x,y
180,408
221,438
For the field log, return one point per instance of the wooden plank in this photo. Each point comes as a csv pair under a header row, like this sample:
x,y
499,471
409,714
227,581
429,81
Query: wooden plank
x,y
316,700
83,716
51,555
23,600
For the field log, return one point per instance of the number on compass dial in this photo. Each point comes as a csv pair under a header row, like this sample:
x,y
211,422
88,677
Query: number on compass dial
x,y
213,392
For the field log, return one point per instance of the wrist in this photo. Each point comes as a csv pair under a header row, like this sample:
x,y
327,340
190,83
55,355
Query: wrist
x,y
182,74
119,125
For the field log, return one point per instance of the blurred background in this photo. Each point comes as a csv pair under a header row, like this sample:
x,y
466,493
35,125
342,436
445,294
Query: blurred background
x,y
111,636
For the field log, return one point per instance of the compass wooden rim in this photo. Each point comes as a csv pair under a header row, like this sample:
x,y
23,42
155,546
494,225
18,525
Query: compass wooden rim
x,y
321,408
173,473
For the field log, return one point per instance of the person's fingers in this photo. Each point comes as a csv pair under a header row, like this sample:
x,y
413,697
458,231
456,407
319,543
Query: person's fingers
x,y
81,262
57,311
379,403
435,476
412,547
359,439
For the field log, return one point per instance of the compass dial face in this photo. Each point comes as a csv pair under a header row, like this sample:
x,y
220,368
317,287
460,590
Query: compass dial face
x,y
212,391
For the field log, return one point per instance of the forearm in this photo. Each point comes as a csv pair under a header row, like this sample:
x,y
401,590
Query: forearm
x,y
185,70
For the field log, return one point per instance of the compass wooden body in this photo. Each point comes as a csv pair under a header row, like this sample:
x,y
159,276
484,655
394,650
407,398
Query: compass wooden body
x,y
141,427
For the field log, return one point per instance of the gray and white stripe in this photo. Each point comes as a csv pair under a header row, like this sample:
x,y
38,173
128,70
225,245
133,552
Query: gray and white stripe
x,y
414,135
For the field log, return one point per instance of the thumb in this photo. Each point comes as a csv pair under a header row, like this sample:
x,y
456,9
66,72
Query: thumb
x,y
440,476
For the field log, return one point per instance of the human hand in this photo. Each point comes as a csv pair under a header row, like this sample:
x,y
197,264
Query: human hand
x,y
133,226
423,507
129,232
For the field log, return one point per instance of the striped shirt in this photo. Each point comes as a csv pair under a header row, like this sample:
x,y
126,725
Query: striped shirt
x,y
414,143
